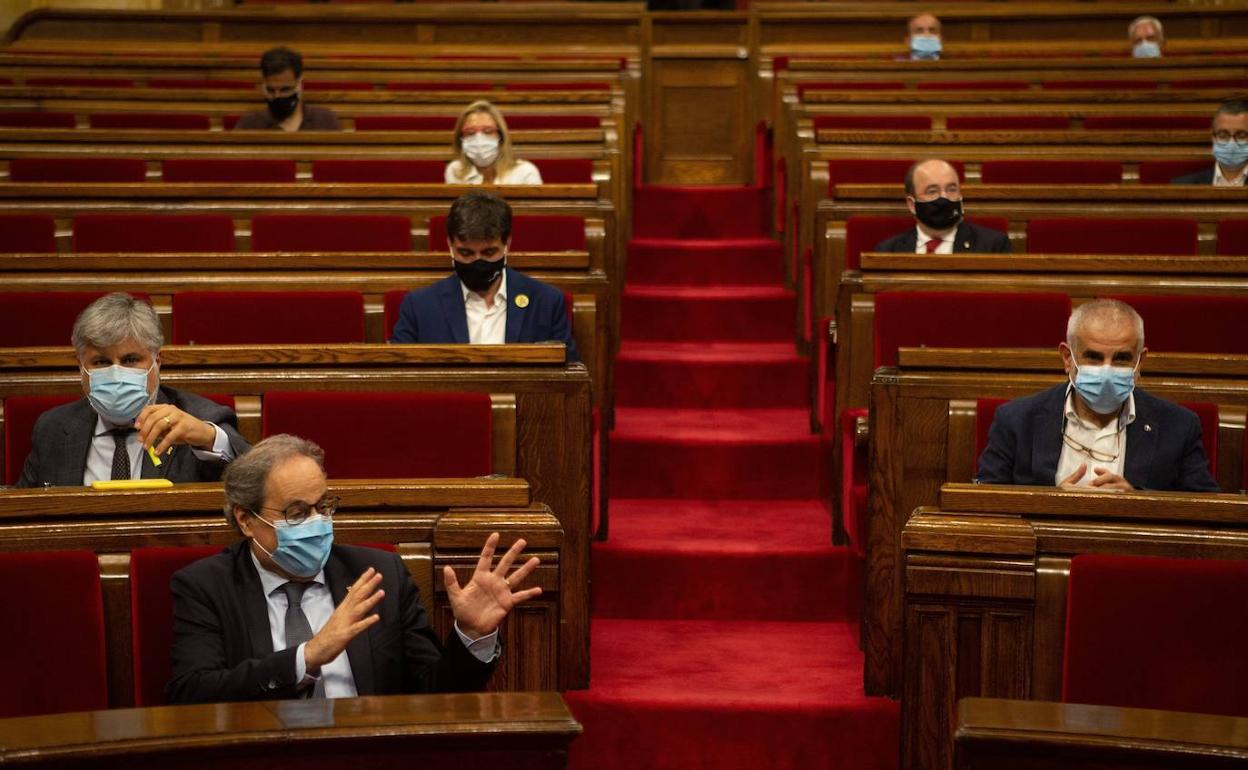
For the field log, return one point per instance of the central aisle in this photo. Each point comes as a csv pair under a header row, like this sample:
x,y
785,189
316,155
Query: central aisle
x,y
723,631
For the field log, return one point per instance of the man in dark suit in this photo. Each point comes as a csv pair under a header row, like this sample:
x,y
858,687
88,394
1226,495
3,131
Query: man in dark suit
x,y
484,301
934,197
1230,149
1098,431
272,616
117,340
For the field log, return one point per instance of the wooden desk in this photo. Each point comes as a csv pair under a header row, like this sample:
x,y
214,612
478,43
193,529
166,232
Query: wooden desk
x,y
530,731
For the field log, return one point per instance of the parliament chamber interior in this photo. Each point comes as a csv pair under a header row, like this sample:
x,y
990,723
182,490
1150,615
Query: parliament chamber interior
x,y
711,334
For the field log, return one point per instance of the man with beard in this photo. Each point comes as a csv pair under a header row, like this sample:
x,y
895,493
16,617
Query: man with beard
x,y
281,84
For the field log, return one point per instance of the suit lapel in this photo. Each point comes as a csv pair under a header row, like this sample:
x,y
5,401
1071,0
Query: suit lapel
x,y
1046,449
1141,446
451,297
359,649
76,444
255,605
515,314
964,238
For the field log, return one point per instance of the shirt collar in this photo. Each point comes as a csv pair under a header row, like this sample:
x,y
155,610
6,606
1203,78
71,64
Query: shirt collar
x,y
500,296
924,237
1220,179
270,580
1125,416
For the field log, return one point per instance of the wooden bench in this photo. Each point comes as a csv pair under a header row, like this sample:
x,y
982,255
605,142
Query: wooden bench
x,y
985,579
551,405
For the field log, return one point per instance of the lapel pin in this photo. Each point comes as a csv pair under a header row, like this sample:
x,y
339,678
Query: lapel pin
x,y
1148,428
522,300
966,244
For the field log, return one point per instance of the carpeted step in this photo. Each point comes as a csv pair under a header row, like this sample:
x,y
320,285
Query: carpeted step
x,y
700,212
772,560
717,262
715,454
728,313
729,695
731,375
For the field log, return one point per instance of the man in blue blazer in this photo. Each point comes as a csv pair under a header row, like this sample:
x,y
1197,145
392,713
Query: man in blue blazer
x,y
484,301
1098,431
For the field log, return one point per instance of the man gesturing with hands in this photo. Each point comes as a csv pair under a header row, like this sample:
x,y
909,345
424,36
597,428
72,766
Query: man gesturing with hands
x,y
285,613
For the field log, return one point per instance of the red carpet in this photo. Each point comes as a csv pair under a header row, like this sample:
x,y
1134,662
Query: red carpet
x,y
725,624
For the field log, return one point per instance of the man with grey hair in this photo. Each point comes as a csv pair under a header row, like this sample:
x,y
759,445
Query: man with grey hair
x,y
1147,37
934,197
285,613
1230,148
125,411
1098,430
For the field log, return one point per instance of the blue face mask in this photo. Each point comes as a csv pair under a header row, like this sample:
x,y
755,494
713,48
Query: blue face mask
x,y
924,47
303,548
1230,154
118,393
1146,49
1104,388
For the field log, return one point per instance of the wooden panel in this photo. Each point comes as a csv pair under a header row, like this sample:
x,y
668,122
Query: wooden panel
x,y
700,125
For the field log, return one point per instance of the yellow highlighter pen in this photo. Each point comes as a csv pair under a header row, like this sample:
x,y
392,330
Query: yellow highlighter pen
x,y
151,452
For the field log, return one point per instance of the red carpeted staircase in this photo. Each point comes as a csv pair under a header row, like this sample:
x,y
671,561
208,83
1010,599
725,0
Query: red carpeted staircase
x,y
723,619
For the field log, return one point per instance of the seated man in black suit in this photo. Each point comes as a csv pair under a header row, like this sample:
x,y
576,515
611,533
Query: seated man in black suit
x,y
285,613
117,340
483,301
934,197
1230,149
1098,430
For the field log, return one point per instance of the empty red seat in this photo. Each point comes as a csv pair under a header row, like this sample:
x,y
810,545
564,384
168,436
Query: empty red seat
x,y
406,123
566,170
163,121
1236,83
552,121
972,85
379,171
879,122
849,85
570,85
1101,85
20,414
153,233
1159,633
1007,123
53,652
1146,122
81,82
330,232
260,318
863,233
338,85
1163,171
387,435
438,85
1233,236
528,233
201,84
11,119
27,234
41,318
1192,323
1111,235
151,615
874,171
1050,172
77,170
229,121
228,170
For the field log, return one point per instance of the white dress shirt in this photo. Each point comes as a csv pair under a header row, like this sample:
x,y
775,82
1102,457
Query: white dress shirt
x,y
1106,441
945,247
523,172
1220,180
100,454
486,325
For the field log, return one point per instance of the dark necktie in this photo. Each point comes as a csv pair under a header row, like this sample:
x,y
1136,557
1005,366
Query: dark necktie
x,y
932,245
298,629
121,455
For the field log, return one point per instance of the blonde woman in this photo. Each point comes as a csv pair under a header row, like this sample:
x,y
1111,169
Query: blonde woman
x,y
483,151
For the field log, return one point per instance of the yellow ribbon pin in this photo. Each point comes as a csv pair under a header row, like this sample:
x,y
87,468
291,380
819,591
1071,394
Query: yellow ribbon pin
x,y
522,300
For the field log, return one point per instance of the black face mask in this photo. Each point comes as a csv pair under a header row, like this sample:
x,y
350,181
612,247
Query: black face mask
x,y
282,107
478,275
938,213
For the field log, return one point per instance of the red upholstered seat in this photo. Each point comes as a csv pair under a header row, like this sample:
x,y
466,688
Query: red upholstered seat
x,y
228,170
391,304
570,85
1162,171
258,317
566,170
150,120
1146,122
20,414
77,170
229,121
863,233
40,318
331,232
1007,122
201,84
985,411
1111,235
1051,172
338,85
528,233
849,85
382,171
1158,633
881,122
1191,323
153,233
1233,236
1101,85
52,652
435,85
27,234
151,615
406,123
37,120
389,435
1237,83
552,121
78,82
972,85
874,171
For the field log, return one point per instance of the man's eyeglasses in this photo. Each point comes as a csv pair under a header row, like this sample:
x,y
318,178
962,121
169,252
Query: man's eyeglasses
x,y
1095,454
1223,137
298,512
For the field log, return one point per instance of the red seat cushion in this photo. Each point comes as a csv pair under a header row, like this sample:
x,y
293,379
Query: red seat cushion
x,y
153,233
9,119
875,171
338,85
1191,323
1236,83
1007,123
967,319
27,234
228,170
434,85
41,318
566,170
1101,85
1157,633
150,120
76,82
392,302
151,615
389,435
863,233
77,170
1111,235
381,171
201,84
985,410
1146,122
528,233
53,651
1233,236
849,85
20,414
881,122
259,317
571,85
552,121
405,123
972,85
1162,171
1051,172
330,232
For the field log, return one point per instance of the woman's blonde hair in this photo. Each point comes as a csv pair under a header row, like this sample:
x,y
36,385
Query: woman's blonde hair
x,y
505,158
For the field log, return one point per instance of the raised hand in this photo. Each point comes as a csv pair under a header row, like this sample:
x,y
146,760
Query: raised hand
x,y
161,426
350,619
482,603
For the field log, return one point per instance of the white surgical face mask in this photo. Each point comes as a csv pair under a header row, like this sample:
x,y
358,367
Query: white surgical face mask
x,y
481,149
1146,49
